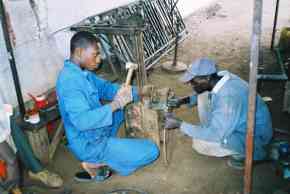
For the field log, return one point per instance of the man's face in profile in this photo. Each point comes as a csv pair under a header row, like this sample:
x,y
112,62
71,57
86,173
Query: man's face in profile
x,y
90,57
200,84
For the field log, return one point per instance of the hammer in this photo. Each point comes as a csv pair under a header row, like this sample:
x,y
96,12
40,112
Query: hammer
x,y
131,67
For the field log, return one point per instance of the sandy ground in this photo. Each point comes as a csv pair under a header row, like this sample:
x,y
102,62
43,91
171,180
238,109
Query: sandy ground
x,y
222,32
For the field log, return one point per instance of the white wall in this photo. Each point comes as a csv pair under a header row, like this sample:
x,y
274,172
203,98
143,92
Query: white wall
x,y
39,52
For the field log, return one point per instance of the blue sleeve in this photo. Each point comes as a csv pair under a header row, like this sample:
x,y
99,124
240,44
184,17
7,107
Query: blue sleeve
x,y
79,112
106,89
193,101
224,120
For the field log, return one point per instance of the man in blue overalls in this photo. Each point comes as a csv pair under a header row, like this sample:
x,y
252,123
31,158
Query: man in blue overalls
x,y
91,126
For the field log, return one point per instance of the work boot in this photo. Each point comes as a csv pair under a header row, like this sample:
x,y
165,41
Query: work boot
x,y
48,178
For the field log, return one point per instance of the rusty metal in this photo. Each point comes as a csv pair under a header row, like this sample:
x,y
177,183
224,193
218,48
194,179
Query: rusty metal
x,y
255,46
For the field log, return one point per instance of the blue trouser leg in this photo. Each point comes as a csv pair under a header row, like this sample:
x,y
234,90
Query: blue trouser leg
x,y
127,155
24,149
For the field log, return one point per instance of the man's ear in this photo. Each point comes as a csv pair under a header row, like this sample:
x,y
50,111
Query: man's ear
x,y
78,52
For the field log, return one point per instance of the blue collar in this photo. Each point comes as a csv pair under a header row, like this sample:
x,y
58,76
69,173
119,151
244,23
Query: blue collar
x,y
68,63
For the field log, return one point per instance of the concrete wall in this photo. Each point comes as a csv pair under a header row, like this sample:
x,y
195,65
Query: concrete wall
x,y
187,7
42,39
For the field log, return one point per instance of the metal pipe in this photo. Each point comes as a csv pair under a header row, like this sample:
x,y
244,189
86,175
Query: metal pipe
x,y
139,53
281,77
154,21
165,18
255,45
156,59
275,24
176,34
158,21
11,59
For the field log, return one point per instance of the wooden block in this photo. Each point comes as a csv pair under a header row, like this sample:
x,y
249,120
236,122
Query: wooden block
x,y
39,142
145,124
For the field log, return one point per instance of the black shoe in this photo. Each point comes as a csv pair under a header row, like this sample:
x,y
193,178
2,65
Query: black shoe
x,y
103,173
237,162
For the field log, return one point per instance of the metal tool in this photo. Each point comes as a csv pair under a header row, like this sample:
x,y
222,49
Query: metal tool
x,y
168,109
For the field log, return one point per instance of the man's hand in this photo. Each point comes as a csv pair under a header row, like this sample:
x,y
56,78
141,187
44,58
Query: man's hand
x,y
177,102
171,122
123,96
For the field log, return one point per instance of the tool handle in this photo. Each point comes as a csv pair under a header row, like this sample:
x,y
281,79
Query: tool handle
x,y
129,77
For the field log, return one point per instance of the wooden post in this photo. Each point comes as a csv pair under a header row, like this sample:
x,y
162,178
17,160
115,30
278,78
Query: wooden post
x,y
255,46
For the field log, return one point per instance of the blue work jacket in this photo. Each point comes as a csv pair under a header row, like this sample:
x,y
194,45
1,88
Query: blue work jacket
x,y
87,120
227,117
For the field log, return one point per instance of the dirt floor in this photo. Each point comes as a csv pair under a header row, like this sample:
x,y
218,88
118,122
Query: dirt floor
x,y
222,32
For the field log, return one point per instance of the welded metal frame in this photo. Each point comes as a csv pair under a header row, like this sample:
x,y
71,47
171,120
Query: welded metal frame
x,y
159,35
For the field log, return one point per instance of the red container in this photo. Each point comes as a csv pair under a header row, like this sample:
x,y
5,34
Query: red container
x,y
40,101
3,169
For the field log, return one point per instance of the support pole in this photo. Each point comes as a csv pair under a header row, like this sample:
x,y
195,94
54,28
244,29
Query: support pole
x,y
255,45
11,59
275,24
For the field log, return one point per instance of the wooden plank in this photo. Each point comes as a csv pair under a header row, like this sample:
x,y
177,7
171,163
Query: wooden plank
x,y
39,142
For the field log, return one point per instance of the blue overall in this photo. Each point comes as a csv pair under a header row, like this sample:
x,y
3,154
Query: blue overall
x,y
224,119
90,125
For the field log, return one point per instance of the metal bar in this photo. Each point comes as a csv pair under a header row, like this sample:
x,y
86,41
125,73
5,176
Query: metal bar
x,y
141,75
255,46
109,29
165,146
168,46
12,59
120,48
275,24
281,77
152,20
166,18
127,48
107,55
158,21
175,36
